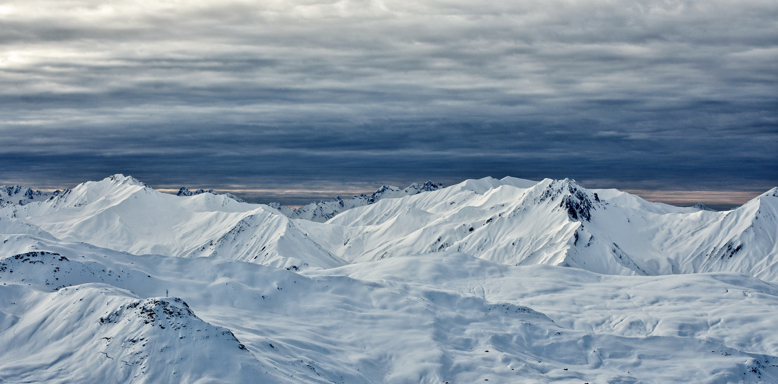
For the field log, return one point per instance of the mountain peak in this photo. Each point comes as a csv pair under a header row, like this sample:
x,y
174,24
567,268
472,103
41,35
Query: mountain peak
x,y
572,197
121,179
702,207
184,191
154,311
428,186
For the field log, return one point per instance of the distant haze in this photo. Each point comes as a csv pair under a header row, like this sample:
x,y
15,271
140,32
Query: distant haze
x,y
295,101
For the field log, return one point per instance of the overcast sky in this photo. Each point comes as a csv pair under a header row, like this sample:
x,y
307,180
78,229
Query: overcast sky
x,y
295,100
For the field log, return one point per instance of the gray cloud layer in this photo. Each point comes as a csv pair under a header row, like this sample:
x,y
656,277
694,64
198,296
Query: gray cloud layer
x,y
272,94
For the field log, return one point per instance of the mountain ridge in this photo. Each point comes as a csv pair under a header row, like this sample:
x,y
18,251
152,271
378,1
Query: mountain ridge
x,y
324,210
510,221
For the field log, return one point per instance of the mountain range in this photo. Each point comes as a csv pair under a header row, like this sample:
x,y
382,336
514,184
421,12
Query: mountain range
x,y
505,280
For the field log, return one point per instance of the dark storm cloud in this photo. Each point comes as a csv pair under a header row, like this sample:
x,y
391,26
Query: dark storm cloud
x,y
272,95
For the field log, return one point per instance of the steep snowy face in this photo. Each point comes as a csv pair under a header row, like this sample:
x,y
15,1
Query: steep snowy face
x,y
268,239
663,241
325,210
744,240
558,222
487,218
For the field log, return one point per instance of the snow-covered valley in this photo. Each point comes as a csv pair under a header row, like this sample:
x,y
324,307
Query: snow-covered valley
x,y
488,280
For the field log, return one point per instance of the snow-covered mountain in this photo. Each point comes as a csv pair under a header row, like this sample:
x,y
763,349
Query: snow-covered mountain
x,y
123,214
557,222
184,191
510,221
488,280
325,210
21,195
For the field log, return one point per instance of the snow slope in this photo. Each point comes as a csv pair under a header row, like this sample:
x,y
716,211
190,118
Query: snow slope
x,y
95,332
439,318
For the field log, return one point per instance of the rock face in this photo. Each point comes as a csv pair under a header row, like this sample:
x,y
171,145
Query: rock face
x,y
572,198
20,195
702,207
184,191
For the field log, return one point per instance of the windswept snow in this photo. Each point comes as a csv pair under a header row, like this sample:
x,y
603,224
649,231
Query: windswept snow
x,y
488,280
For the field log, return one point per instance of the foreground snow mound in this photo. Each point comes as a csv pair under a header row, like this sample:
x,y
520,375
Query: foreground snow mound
x,y
98,333
325,210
